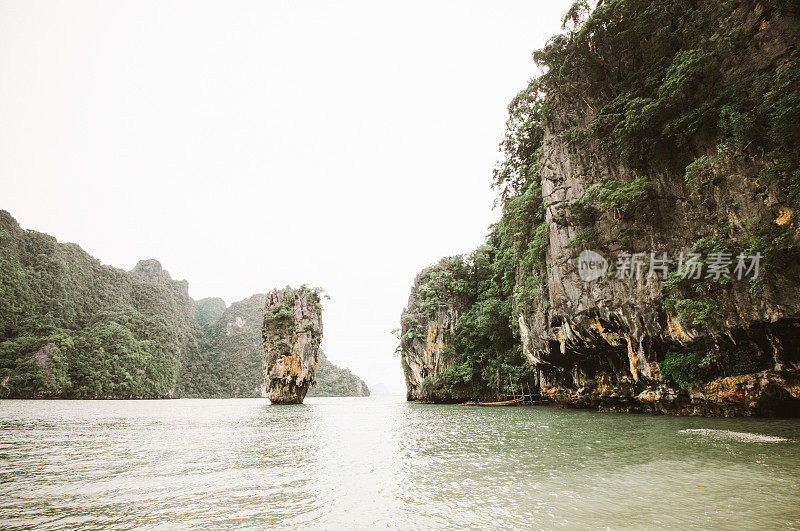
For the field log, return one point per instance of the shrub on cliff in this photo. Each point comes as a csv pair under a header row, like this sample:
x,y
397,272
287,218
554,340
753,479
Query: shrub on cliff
x,y
685,368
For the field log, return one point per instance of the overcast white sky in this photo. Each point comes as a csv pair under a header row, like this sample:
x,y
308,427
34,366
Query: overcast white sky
x,y
252,144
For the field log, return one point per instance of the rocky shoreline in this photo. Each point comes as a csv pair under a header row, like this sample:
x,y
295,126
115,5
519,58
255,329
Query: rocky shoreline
x,y
763,394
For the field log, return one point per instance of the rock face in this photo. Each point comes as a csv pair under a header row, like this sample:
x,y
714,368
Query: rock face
x,y
292,332
601,343
229,361
426,332
424,354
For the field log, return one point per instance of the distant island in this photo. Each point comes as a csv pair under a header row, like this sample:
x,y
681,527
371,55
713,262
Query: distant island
x,y
71,327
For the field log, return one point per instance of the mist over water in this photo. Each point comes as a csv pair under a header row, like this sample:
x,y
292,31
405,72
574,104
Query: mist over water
x,y
380,461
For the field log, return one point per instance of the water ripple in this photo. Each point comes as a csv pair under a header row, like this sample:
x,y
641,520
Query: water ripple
x,y
381,462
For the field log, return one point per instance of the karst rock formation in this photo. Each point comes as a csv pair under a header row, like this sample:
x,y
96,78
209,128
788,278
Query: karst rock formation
x,y
292,332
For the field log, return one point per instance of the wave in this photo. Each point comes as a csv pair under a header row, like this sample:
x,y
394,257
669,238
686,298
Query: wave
x,y
736,435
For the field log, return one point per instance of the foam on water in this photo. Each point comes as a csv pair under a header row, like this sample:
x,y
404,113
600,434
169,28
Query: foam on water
x,y
736,435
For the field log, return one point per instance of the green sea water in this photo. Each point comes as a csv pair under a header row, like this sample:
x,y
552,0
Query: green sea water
x,y
360,463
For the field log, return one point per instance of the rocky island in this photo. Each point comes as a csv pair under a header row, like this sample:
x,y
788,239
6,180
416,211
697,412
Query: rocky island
x,y
292,333
647,256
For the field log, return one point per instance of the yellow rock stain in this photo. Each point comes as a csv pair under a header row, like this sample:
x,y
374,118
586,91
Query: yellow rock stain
x,y
784,216
432,335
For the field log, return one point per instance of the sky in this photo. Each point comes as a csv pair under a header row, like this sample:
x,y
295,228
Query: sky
x,y
249,145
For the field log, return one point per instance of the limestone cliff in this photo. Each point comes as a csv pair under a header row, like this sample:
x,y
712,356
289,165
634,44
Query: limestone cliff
x,y
602,342
427,326
425,355
655,133
292,332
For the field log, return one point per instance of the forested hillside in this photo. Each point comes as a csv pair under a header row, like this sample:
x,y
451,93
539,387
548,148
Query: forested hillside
x,y
335,381
71,327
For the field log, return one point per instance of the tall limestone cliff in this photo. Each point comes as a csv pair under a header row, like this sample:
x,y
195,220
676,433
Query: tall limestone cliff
x,y
456,340
687,186
427,326
292,332
657,131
